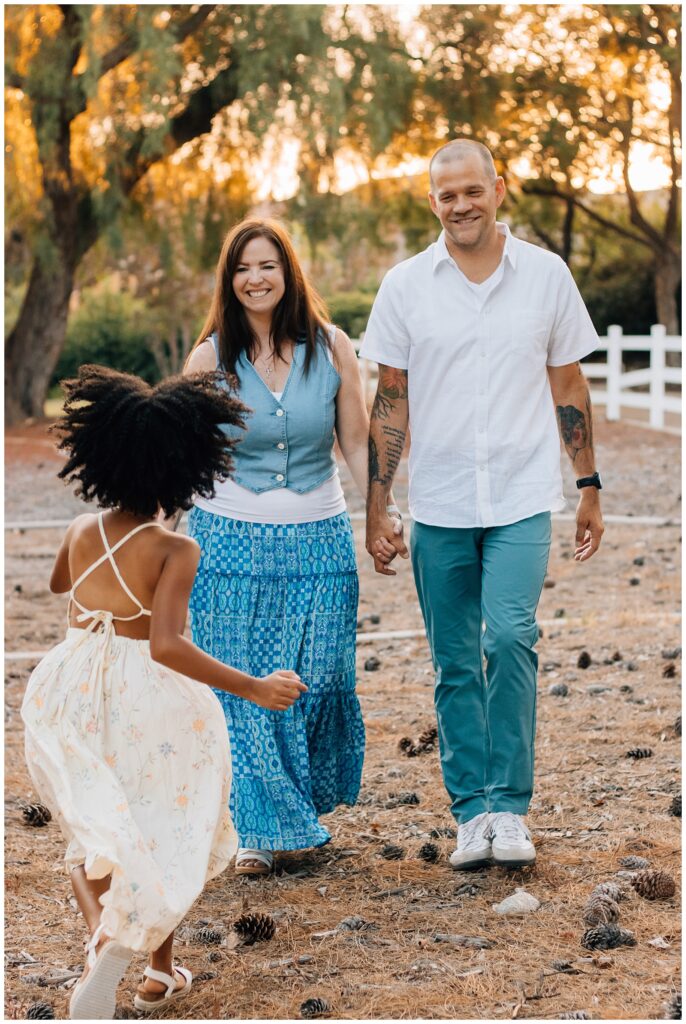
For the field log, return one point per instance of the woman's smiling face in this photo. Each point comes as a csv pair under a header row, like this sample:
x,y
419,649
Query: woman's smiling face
x,y
258,281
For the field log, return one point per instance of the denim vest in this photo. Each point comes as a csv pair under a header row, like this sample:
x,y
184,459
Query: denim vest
x,y
287,443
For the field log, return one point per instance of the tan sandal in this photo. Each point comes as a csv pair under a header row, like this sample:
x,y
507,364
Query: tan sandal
x,y
172,993
245,862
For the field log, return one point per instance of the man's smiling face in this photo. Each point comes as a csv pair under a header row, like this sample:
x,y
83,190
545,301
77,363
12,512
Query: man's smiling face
x,y
465,198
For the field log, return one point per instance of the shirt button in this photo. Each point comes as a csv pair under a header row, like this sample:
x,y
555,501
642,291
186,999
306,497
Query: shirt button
x,y
281,445
482,468
481,430
279,412
279,477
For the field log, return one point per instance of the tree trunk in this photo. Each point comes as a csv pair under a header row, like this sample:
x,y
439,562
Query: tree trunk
x,y
667,277
35,343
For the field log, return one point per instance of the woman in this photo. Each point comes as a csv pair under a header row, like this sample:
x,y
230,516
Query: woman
x,y
277,582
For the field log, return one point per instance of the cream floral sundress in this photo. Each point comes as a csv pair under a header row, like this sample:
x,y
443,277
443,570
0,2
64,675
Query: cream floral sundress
x,y
134,761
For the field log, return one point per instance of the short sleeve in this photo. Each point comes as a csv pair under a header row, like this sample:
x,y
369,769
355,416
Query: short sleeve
x,y
573,335
386,339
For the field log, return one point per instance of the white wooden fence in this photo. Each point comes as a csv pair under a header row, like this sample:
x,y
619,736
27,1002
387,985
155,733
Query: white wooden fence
x,y
620,392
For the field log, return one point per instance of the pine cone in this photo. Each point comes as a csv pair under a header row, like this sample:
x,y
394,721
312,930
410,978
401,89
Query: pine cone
x,y
406,746
654,885
669,671
255,928
36,815
584,660
429,852
314,1008
40,1011
214,957
607,936
634,863
677,725
600,909
672,1007
208,936
675,806
428,738
575,1015
406,798
392,852
205,976
614,890
639,752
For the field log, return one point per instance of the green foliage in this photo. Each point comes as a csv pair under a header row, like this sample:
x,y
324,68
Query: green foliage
x,y
350,311
111,329
624,296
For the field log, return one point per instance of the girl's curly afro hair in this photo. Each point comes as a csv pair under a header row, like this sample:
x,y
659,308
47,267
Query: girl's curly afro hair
x,y
140,448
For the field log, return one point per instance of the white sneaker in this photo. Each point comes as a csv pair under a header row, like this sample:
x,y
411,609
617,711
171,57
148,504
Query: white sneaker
x,y
512,846
473,843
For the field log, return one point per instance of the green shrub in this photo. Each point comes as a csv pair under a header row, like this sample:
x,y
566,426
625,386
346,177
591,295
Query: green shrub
x,y
350,311
110,328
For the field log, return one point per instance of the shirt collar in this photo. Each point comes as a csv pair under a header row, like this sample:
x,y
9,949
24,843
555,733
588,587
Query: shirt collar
x,y
440,252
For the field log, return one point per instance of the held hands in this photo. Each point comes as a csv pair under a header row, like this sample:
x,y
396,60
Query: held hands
x,y
589,524
278,690
385,541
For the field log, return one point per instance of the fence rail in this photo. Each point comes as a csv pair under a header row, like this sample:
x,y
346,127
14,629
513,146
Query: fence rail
x,y
619,392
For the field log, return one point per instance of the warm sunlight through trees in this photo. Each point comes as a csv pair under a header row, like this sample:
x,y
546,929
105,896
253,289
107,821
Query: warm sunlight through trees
x,y
136,134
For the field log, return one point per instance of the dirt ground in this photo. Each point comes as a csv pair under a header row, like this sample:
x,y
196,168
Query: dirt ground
x,y
592,805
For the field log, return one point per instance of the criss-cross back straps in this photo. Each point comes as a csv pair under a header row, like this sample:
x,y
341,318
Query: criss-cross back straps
x,y
108,555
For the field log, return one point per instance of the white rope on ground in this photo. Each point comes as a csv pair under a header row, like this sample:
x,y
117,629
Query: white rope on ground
x,y
563,517
394,634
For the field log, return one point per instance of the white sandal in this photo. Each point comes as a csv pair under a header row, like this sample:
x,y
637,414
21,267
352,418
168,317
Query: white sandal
x,y
265,859
148,1005
95,998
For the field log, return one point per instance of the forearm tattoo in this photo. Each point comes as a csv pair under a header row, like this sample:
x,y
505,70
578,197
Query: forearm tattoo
x,y
386,442
575,428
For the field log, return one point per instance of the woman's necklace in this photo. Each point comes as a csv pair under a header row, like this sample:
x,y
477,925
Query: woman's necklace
x,y
266,361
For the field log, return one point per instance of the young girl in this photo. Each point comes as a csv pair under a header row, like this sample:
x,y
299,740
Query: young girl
x,y
130,754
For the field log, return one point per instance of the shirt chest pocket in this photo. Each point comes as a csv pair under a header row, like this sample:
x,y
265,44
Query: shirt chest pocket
x,y
529,333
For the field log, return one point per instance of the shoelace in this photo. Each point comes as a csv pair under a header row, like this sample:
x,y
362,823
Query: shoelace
x,y
508,827
472,832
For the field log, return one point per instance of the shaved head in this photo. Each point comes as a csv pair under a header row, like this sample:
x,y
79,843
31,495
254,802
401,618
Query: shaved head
x,y
458,149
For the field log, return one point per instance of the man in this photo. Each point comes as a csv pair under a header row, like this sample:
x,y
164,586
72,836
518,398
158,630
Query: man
x,y
478,340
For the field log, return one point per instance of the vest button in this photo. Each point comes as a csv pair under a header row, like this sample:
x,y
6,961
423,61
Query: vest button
x,y
281,445
279,412
279,477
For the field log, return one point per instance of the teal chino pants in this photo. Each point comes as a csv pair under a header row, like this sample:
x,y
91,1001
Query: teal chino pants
x,y
467,579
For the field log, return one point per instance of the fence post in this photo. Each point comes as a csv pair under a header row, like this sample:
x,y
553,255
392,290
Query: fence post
x,y
614,372
658,341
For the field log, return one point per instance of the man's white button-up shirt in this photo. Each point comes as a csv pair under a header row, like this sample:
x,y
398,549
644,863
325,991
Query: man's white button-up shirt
x,y
485,448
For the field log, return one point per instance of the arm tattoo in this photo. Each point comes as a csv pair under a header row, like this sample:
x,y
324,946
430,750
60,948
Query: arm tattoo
x,y
574,430
382,407
391,387
393,383
394,442
373,460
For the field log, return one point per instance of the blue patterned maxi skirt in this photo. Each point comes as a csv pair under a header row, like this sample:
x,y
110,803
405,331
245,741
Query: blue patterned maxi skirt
x,y
284,596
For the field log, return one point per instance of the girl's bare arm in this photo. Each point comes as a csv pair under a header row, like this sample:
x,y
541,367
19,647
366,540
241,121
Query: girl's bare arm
x,y
60,578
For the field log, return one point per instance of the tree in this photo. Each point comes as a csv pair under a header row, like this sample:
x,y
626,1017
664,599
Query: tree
x,y
113,90
561,94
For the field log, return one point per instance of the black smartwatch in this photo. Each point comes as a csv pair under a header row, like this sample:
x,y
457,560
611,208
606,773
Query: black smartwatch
x,y
590,481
